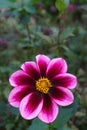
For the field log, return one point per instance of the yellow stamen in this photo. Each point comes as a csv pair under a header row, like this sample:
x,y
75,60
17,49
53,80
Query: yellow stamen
x,y
43,85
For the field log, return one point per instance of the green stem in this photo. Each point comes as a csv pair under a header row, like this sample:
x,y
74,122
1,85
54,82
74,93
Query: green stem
x,y
28,31
51,127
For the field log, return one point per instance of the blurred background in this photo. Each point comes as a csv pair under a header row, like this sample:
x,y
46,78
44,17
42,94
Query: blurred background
x,y
51,27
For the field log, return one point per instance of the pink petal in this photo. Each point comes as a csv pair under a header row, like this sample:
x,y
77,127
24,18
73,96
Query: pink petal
x,y
65,80
31,105
42,62
17,94
19,78
62,96
31,69
49,111
55,67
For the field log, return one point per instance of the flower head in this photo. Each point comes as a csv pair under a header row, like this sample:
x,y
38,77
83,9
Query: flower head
x,y
3,43
39,4
53,9
70,8
47,31
41,87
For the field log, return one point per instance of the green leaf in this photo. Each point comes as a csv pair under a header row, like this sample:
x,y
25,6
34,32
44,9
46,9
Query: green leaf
x,y
2,124
65,114
45,38
6,92
35,1
2,108
62,4
67,2
30,2
26,1
5,4
66,33
24,19
69,53
12,110
38,125
64,128
30,10
13,0
9,126
84,7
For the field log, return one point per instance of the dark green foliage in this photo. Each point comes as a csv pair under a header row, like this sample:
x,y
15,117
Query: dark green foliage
x,y
22,37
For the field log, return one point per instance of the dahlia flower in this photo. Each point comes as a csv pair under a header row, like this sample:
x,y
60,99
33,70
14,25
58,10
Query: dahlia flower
x,y
41,87
71,8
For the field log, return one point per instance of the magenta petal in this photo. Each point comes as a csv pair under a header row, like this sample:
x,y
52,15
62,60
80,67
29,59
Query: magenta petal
x,y
49,110
55,67
42,62
32,69
19,78
31,105
62,96
17,94
65,80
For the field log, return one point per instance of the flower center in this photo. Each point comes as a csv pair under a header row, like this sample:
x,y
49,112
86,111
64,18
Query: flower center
x,y
43,85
